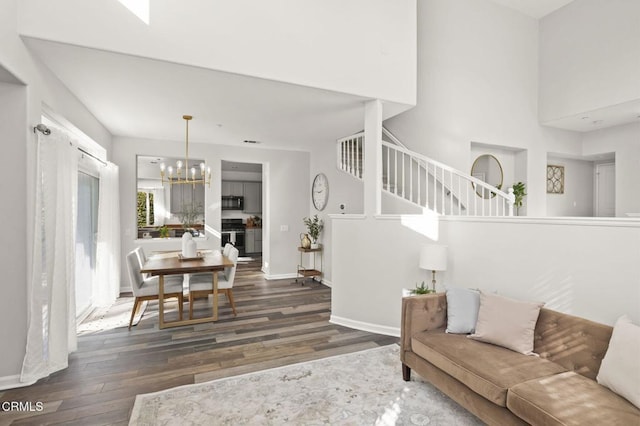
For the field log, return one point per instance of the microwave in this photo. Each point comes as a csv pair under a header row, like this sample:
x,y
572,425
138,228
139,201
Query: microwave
x,y
232,202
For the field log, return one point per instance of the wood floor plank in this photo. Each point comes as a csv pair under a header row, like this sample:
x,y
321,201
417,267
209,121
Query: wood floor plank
x,y
279,322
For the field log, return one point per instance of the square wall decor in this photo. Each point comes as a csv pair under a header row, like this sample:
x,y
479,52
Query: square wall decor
x,y
555,179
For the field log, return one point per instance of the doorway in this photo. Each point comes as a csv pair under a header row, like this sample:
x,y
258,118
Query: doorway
x,y
242,189
86,242
605,189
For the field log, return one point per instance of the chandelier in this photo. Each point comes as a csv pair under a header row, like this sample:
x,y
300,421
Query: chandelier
x,y
183,174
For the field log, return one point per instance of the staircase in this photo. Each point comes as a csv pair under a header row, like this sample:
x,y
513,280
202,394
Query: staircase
x,y
423,182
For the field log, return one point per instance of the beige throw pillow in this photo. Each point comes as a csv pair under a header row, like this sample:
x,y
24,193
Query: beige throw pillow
x,y
507,322
620,368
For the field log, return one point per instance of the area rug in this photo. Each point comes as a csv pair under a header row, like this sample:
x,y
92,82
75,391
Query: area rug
x,y
111,317
361,388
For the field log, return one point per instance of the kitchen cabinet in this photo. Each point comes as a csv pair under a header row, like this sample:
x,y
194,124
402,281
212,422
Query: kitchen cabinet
x,y
252,197
230,187
186,195
253,240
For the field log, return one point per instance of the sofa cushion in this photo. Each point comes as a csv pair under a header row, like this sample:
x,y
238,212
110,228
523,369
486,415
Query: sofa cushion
x,y
570,399
462,310
507,322
487,369
573,342
620,368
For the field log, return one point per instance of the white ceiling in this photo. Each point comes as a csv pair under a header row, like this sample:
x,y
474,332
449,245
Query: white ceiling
x,y
534,8
145,98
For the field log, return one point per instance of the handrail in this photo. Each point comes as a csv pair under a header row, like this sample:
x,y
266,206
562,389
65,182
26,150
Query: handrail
x,y
431,188
425,182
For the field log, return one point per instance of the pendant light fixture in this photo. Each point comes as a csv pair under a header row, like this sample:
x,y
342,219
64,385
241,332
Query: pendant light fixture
x,y
183,174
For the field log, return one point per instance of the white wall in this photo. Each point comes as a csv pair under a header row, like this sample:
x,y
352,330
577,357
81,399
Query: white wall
x,y
589,57
624,141
577,199
364,47
20,110
478,81
286,191
587,267
13,250
343,189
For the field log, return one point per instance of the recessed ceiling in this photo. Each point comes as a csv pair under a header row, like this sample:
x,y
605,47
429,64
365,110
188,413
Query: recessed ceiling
x,y
611,116
534,8
145,98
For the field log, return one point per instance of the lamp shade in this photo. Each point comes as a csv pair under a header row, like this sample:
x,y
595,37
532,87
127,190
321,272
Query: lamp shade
x,y
433,257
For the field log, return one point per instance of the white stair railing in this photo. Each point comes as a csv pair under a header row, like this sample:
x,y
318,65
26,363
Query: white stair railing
x,y
424,182
436,186
351,155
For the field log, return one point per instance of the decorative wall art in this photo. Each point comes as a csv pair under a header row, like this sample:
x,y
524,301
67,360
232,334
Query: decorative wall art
x,y
555,179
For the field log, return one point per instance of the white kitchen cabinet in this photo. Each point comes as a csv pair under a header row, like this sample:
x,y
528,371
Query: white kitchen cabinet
x,y
253,240
188,196
252,197
230,187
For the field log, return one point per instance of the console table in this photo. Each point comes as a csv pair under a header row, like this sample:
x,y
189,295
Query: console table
x,y
309,272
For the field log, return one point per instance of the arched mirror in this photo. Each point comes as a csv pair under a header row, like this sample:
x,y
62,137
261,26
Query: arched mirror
x,y
487,168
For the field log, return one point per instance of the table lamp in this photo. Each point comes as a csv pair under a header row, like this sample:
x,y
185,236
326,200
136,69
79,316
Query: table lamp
x,y
434,258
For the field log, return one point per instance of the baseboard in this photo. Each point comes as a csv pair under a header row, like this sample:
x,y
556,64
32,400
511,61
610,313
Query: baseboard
x,y
12,382
327,283
366,326
280,276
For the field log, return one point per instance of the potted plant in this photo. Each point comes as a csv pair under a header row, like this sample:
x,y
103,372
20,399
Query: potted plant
x,y
519,192
314,228
422,289
164,231
190,215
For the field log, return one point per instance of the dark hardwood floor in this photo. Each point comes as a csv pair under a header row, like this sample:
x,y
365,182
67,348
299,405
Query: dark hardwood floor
x,y
279,322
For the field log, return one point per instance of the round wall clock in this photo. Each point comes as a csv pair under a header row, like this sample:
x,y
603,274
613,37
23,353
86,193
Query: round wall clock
x,y
320,191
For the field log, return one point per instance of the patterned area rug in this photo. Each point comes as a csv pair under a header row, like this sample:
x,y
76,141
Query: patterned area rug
x,y
362,388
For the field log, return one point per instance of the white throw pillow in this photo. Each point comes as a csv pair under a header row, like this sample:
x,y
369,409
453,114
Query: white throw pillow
x,y
507,322
620,368
462,310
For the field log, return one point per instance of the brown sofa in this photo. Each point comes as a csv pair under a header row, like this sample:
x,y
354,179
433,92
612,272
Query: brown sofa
x,y
503,387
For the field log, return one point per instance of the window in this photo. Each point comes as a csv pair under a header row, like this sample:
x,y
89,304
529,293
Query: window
x,y
146,215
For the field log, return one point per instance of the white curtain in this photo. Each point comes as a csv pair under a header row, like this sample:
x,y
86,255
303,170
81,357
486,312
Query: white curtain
x,y
106,284
159,208
51,293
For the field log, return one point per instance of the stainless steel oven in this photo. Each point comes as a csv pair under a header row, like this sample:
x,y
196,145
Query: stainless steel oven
x,y
233,231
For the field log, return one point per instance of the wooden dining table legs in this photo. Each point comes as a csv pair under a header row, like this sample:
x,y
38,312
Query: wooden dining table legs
x,y
181,322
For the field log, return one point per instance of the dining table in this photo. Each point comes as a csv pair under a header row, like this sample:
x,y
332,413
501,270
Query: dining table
x,y
173,263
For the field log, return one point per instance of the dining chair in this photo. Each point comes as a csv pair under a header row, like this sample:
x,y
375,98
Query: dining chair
x,y
201,285
225,252
148,288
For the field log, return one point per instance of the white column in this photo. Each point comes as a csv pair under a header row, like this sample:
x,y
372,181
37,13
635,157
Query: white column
x,y
372,175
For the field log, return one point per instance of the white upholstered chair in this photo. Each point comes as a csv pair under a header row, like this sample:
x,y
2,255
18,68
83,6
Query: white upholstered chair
x,y
225,252
147,288
201,285
227,249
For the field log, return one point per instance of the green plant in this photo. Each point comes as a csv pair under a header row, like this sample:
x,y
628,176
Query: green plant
x,y
519,192
145,218
164,231
422,289
314,227
190,214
